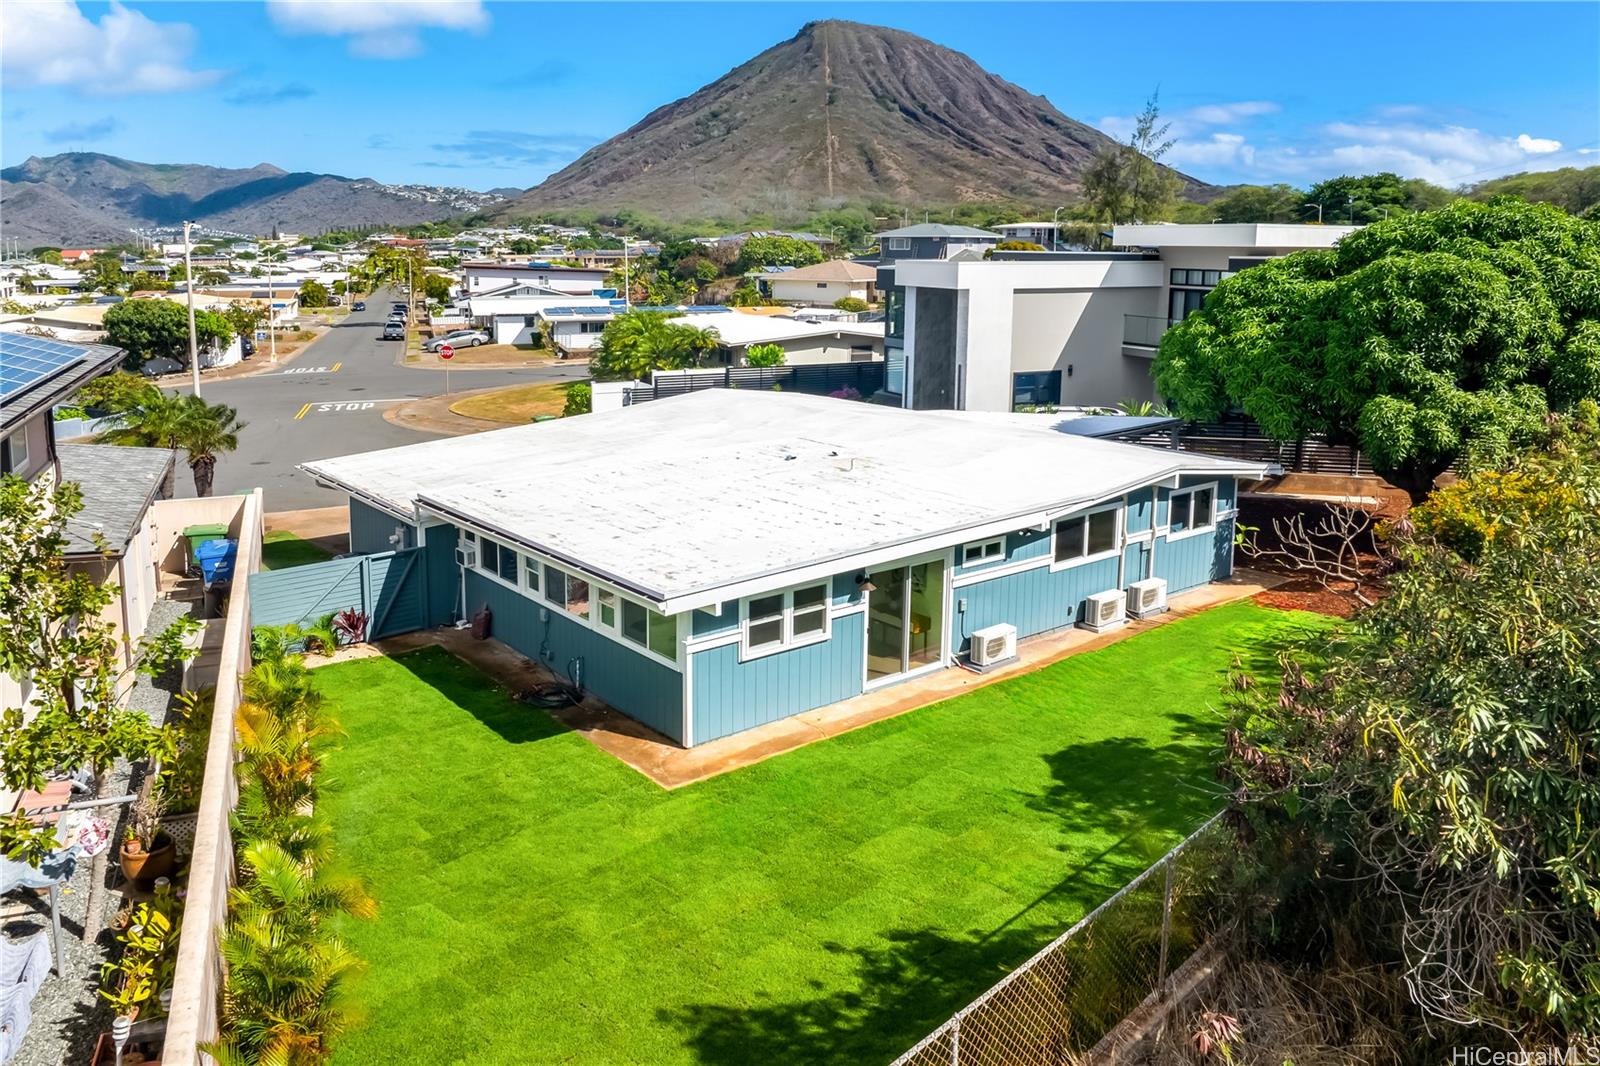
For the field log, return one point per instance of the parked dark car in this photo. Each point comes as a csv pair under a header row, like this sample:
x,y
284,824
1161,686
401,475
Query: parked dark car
x,y
394,331
359,305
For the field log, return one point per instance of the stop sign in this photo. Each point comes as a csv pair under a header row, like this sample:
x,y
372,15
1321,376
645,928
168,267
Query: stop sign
x,y
445,351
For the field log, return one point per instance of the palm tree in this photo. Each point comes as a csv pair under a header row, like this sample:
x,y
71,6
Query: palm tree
x,y
157,420
207,431
284,998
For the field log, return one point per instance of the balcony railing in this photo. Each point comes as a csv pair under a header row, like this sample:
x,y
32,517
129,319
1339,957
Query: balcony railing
x,y
1144,331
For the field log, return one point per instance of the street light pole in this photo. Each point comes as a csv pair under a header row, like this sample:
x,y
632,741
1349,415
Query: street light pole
x,y
627,282
188,269
272,334
1055,230
1319,211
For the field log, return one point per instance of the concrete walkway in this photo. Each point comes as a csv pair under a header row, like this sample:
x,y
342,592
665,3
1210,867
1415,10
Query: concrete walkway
x,y
673,766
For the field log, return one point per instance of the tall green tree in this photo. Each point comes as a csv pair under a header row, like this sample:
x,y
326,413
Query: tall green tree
x,y
758,252
313,294
151,419
1256,203
1151,186
637,343
1427,783
1372,198
149,329
1428,338
54,636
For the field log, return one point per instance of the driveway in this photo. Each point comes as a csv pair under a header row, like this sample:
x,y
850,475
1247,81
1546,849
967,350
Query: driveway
x,y
330,401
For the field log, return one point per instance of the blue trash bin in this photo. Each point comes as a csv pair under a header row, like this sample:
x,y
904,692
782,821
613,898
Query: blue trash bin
x,y
216,558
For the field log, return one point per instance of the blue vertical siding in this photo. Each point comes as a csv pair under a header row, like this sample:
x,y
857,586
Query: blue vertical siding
x,y
1141,509
638,686
1133,556
1194,561
706,624
370,530
443,576
729,696
1035,601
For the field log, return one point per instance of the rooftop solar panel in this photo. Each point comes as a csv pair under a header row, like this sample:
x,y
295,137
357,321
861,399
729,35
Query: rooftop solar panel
x,y
27,362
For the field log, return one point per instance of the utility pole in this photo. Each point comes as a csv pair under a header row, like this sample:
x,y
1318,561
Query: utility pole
x,y
627,284
188,285
272,334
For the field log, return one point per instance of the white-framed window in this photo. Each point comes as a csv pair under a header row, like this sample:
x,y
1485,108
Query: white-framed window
x,y
788,619
497,559
530,573
1192,511
646,628
605,609
1084,538
899,244
17,447
983,551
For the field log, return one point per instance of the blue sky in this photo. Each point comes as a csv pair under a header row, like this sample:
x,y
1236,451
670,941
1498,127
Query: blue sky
x,y
456,92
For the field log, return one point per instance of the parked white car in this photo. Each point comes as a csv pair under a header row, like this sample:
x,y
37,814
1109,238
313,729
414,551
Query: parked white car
x,y
461,338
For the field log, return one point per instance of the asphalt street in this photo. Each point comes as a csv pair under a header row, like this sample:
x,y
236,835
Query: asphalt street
x,y
330,401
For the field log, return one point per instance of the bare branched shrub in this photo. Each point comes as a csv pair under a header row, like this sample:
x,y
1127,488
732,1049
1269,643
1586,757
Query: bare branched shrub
x,y
1343,545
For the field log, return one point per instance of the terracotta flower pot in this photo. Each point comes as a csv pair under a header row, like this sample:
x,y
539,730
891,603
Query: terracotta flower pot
x,y
159,861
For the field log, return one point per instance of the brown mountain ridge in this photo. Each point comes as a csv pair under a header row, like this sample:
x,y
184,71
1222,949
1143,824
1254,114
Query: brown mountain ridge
x,y
839,113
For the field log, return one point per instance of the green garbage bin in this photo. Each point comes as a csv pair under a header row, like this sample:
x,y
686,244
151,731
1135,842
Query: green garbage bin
x,y
199,534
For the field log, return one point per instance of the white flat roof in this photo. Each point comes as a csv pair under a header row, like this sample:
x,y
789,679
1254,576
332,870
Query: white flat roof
x,y
703,498
1285,235
739,330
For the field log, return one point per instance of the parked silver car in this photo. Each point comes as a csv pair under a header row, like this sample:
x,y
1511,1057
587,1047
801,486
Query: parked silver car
x,y
461,338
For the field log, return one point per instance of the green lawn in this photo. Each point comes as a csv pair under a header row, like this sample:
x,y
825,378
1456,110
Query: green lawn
x,y
281,549
543,903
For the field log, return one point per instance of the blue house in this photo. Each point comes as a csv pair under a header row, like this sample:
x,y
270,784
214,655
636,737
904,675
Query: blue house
x,y
717,561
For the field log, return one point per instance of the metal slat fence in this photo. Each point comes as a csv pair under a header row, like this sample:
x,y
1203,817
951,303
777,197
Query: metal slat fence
x,y
817,379
1062,1002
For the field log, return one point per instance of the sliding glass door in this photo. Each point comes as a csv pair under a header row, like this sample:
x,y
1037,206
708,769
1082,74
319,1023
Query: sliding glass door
x,y
905,619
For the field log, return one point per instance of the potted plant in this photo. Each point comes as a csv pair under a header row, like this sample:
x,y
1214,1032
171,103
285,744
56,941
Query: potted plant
x,y
147,850
148,941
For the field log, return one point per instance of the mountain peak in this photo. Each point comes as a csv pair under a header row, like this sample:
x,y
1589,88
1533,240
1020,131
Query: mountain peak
x,y
842,112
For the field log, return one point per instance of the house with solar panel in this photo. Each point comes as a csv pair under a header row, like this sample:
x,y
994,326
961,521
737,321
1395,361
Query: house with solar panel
x,y
717,561
114,539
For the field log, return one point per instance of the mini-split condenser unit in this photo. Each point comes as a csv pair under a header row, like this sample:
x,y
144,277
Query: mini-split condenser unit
x,y
1147,597
993,644
1104,610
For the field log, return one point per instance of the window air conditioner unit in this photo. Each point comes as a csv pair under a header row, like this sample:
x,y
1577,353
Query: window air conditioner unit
x,y
993,644
1147,597
1104,610
466,555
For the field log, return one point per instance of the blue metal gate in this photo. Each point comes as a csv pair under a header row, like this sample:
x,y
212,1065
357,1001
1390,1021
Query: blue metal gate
x,y
390,587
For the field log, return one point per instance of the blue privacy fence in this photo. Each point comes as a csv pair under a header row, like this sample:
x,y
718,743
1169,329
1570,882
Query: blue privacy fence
x,y
391,587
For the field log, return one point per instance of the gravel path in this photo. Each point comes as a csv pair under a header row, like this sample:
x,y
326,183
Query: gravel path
x,y
68,1013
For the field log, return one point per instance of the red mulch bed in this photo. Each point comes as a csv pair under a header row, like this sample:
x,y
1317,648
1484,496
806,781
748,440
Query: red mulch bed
x,y
1307,594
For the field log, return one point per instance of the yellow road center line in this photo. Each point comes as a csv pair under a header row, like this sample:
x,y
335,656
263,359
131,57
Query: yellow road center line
x,y
336,367
302,412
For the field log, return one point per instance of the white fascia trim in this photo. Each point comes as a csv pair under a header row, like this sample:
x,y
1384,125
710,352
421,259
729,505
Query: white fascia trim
x,y
978,577
376,504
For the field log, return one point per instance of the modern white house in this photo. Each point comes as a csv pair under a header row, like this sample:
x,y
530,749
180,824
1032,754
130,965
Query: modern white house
x,y
822,283
805,341
856,546
1041,233
482,277
1062,328
510,314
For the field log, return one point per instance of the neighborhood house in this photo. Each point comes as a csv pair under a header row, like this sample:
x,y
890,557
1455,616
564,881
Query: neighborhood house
x,y
716,561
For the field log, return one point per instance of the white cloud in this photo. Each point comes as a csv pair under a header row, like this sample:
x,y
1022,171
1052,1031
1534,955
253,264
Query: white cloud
x,y
378,29
1224,114
1193,121
1230,150
51,42
1537,145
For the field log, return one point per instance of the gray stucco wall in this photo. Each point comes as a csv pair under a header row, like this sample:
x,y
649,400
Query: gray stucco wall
x,y
933,375
1082,329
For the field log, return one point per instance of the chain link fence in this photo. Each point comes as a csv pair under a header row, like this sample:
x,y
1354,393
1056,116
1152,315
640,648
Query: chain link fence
x,y
1059,1004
